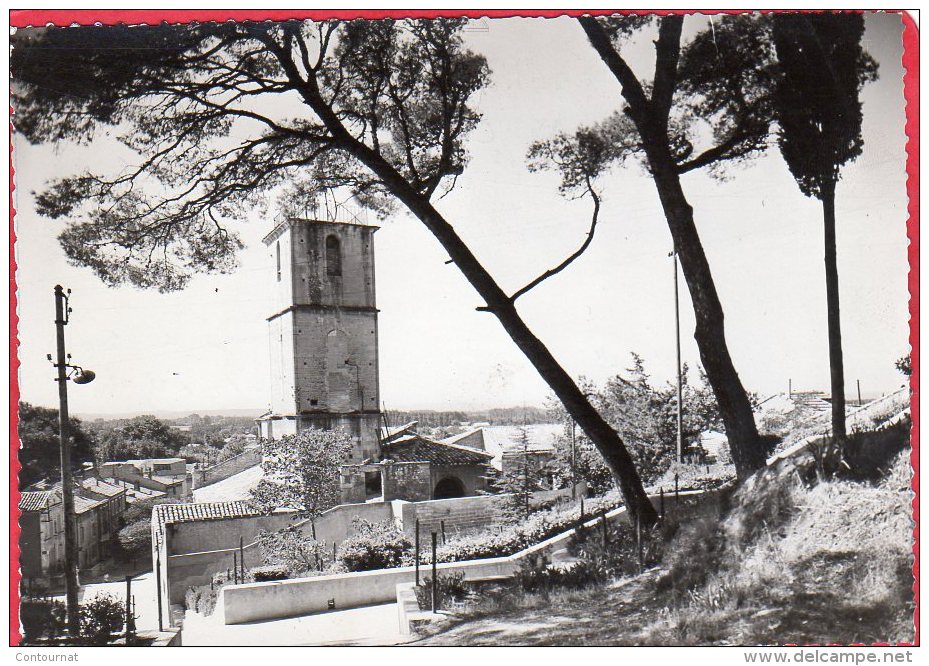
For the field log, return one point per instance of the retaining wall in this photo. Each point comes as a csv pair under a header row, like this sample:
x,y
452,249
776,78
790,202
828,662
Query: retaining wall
x,y
288,598
227,468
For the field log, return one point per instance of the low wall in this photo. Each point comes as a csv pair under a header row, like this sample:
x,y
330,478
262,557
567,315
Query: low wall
x,y
227,468
288,598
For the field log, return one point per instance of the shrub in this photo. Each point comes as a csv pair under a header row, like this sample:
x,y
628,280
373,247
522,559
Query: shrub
x,y
295,550
202,599
374,546
534,577
449,588
510,539
102,618
42,619
269,572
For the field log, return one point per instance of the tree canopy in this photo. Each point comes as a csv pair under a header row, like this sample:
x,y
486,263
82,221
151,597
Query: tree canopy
x,y
140,437
302,472
208,109
39,452
823,68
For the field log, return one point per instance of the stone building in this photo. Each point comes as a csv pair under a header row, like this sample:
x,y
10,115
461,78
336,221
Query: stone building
x,y
323,332
41,536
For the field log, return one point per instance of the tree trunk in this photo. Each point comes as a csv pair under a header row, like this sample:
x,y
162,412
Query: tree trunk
x,y
651,120
604,437
836,369
710,334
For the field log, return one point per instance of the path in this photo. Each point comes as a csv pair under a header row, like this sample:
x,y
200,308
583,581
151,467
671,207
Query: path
x,y
371,625
143,589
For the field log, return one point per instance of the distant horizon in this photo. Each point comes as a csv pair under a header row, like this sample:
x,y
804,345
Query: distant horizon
x,y
851,399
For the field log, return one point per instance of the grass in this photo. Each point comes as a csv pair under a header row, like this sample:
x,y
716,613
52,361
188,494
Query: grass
x,y
785,559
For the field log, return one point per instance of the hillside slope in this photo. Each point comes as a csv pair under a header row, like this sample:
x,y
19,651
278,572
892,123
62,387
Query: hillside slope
x,y
787,559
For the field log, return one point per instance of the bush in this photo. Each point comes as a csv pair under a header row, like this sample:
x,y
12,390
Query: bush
x,y
201,599
269,572
534,577
42,619
510,539
449,588
374,546
102,618
294,550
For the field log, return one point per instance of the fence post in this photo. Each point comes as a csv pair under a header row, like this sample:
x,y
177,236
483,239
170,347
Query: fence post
x,y
442,523
129,622
417,552
235,567
582,509
638,540
677,498
661,503
158,584
242,556
435,582
606,537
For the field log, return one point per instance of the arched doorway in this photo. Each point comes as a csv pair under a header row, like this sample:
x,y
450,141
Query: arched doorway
x,y
448,488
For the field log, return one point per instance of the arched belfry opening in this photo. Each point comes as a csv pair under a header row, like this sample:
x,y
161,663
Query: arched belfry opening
x,y
333,255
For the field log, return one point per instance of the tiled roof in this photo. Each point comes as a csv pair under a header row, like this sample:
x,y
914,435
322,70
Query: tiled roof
x,y
102,487
37,501
195,511
507,439
393,432
167,480
82,504
415,448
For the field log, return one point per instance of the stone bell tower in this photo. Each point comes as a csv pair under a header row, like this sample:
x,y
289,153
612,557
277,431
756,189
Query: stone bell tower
x,y
323,332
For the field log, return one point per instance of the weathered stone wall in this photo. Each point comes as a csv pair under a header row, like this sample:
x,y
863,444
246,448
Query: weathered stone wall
x,y
227,468
407,480
461,515
472,477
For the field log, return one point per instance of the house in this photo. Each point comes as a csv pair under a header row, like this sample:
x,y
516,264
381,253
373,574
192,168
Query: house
x,y
507,444
166,475
98,510
41,537
413,468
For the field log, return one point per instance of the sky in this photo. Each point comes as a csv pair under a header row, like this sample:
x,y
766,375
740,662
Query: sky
x,y
206,348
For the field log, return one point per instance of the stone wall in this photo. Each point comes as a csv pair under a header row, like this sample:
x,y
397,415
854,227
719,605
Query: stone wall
x,y
227,468
460,515
407,480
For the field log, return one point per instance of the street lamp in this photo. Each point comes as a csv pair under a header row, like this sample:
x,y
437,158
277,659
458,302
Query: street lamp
x,y
78,375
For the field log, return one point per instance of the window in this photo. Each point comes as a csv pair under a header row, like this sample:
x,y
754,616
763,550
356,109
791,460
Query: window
x,y
333,256
277,250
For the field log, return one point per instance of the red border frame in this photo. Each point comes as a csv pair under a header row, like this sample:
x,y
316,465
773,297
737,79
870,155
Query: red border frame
x,y
25,18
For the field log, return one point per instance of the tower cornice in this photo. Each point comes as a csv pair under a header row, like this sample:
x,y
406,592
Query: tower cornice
x,y
288,222
317,307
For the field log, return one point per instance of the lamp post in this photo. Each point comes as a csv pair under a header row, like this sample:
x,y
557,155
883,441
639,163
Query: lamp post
x,y
67,371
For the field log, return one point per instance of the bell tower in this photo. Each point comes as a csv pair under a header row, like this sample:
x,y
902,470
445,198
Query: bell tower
x,y
323,332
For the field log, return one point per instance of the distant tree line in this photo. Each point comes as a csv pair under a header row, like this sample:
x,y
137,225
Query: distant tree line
x,y
122,439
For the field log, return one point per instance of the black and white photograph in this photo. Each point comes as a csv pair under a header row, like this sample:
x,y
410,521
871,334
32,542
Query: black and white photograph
x,y
464,328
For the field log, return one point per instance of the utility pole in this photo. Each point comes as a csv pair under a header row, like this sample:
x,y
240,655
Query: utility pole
x,y
859,391
680,383
67,484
